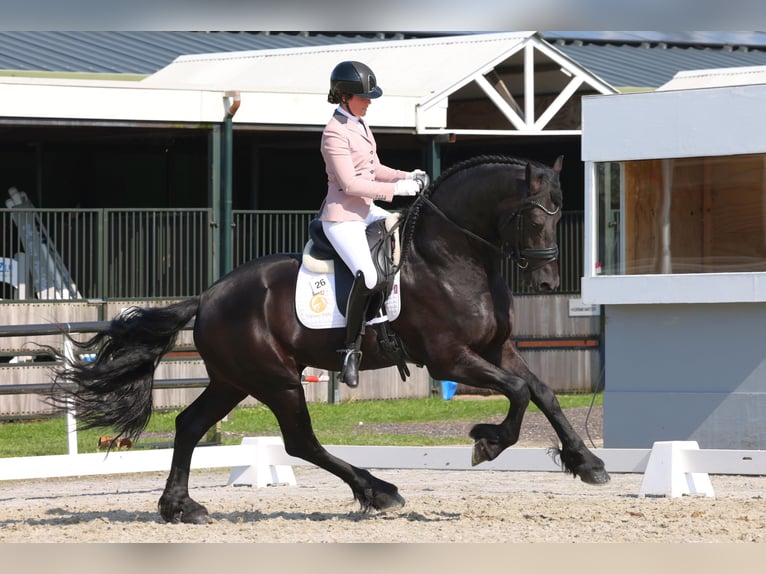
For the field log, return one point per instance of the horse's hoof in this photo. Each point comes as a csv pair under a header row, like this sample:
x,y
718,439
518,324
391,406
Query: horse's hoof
x,y
188,513
597,476
385,502
484,451
384,496
382,500
196,518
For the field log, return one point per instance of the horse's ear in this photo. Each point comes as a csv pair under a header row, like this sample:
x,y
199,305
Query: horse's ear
x,y
534,179
558,164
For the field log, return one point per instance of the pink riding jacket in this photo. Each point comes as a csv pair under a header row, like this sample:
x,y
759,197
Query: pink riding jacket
x,y
355,176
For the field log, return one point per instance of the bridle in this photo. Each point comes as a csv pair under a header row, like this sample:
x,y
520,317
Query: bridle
x,y
520,255
523,255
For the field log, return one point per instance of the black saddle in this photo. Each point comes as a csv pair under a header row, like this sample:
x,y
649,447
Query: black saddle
x,y
383,241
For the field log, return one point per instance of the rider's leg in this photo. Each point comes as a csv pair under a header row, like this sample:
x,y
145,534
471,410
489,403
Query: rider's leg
x,y
358,300
376,213
350,241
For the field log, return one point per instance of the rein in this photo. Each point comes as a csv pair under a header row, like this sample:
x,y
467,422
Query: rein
x,y
520,256
468,232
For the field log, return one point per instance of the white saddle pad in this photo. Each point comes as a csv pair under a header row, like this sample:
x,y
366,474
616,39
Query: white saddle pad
x,y
315,301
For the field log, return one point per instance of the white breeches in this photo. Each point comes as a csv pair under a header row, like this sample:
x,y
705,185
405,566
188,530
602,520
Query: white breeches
x,y
350,241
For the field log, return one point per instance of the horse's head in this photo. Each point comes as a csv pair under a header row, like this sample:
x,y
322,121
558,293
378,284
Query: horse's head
x,y
504,206
530,231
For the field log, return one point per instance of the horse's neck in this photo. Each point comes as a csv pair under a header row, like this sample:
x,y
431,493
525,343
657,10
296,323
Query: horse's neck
x,y
447,252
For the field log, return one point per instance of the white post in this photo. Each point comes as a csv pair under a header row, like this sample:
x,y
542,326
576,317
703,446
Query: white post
x,y
71,415
23,275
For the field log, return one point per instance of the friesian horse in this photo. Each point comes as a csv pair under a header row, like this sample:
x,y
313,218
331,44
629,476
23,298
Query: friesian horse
x,y
456,320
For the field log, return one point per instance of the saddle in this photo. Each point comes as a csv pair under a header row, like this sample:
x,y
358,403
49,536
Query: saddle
x,y
319,256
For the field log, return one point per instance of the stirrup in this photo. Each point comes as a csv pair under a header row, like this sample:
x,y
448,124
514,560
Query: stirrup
x,y
349,373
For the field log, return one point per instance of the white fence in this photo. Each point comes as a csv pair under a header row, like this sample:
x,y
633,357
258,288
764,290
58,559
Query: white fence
x,y
672,468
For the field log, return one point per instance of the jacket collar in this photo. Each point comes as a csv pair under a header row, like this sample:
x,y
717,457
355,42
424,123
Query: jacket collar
x,y
348,120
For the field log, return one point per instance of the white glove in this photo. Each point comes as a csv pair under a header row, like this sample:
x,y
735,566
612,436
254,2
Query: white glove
x,y
414,174
420,176
406,187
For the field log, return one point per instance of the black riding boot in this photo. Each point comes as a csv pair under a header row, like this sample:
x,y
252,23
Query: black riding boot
x,y
358,299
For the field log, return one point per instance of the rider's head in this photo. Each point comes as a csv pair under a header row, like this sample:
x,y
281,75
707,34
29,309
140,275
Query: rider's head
x,y
352,79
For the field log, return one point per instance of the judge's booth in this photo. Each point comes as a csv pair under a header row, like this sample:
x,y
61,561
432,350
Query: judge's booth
x,y
675,227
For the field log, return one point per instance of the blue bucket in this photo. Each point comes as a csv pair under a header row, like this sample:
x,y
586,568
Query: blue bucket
x,y
448,389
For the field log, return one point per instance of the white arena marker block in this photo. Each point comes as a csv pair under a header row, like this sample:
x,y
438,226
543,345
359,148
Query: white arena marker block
x,y
666,472
262,472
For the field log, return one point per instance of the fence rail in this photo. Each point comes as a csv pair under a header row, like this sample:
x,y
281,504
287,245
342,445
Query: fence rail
x,y
47,388
152,253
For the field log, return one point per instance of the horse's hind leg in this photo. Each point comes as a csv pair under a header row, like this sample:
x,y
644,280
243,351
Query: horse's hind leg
x,y
289,407
212,405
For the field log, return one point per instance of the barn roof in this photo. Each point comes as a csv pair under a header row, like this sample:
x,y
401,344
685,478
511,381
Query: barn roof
x,y
143,52
421,78
282,78
624,59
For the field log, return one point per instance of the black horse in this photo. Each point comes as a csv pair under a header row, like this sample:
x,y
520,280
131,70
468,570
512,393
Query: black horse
x,y
456,319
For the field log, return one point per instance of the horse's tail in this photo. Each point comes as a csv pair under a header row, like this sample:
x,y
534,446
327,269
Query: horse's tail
x,y
115,388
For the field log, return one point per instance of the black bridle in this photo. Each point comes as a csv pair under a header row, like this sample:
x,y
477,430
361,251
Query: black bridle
x,y
523,255
520,255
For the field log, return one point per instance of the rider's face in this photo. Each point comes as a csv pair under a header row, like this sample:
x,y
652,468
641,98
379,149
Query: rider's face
x,y
358,105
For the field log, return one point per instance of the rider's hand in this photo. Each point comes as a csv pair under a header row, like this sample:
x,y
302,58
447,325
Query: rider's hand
x,y
414,174
420,176
407,187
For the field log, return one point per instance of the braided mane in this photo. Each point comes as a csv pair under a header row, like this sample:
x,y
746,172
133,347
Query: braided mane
x,y
412,214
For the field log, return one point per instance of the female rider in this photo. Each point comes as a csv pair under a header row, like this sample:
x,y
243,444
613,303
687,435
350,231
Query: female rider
x,y
355,177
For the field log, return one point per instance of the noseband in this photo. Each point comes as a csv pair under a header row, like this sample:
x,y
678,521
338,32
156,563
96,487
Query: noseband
x,y
520,255
523,255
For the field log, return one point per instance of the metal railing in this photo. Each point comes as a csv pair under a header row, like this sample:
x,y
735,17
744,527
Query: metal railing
x,y
167,253
47,388
107,253
259,233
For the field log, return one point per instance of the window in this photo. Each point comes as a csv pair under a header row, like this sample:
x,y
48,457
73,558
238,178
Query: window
x,y
681,216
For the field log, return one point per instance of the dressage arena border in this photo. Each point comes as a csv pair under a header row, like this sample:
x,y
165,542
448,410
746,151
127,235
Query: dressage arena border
x,y
670,468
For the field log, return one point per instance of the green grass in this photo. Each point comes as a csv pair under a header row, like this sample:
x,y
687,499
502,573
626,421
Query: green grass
x,y
345,423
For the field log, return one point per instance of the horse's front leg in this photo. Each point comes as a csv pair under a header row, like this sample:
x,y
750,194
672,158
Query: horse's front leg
x,y
471,369
575,457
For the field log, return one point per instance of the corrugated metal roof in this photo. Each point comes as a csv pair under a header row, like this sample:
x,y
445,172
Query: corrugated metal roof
x,y
142,52
650,66
622,59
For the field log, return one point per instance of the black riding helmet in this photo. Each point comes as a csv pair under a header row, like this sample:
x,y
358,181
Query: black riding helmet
x,y
352,78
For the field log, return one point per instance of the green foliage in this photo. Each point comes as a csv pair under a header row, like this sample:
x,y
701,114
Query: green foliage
x,y
350,422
